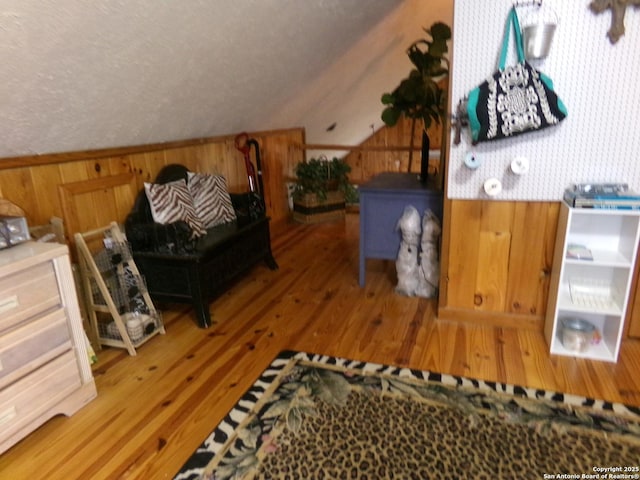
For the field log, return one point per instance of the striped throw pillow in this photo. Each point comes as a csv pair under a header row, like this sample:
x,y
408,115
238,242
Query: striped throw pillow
x,y
211,199
171,202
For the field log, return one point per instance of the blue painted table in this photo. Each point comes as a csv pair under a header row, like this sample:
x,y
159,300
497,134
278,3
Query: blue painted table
x,y
382,202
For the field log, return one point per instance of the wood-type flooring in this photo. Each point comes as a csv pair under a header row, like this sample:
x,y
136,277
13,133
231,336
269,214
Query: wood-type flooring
x,y
154,409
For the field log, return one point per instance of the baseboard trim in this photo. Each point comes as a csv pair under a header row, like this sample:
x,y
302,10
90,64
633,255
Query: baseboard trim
x,y
494,319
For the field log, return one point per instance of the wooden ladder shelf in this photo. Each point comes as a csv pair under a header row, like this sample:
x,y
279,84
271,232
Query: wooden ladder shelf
x,y
120,310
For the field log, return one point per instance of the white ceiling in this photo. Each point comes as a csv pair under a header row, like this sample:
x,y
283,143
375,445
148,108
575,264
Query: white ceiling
x,y
80,75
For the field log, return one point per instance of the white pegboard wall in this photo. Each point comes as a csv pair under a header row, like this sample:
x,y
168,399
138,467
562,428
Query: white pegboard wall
x,y
597,142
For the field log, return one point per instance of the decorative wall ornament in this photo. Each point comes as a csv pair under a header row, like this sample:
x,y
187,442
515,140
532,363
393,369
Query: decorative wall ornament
x,y
618,10
417,264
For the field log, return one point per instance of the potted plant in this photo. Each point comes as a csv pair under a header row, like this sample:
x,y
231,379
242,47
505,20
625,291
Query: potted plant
x,y
420,95
320,189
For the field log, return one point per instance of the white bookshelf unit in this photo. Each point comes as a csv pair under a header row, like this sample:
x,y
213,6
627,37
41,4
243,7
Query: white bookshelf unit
x,y
595,288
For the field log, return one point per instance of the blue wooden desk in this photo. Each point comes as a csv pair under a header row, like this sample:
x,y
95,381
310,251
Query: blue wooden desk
x,y
382,202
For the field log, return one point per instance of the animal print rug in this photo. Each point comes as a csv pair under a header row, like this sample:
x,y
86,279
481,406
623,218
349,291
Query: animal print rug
x,y
318,417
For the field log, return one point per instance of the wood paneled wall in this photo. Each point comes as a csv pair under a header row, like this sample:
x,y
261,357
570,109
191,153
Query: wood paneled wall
x,y
497,261
632,327
366,163
34,183
496,256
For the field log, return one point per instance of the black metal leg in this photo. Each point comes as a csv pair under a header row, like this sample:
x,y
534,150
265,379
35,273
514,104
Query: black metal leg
x,y
271,262
202,313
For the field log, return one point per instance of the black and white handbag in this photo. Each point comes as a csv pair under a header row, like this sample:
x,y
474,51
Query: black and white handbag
x,y
515,99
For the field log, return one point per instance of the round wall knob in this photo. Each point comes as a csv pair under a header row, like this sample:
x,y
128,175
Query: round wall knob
x,y
472,160
520,165
492,187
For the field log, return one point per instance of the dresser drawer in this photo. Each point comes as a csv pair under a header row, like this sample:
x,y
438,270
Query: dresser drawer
x,y
32,345
27,293
27,399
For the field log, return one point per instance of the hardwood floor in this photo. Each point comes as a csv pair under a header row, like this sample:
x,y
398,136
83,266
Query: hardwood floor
x,y
153,410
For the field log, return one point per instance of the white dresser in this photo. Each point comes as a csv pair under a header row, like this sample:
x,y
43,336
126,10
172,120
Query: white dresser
x,y
44,366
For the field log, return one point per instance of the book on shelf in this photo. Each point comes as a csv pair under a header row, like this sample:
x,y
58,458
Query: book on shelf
x,y
609,206
626,200
599,188
579,252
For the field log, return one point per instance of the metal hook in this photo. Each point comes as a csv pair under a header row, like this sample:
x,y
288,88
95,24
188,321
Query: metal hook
x,y
522,3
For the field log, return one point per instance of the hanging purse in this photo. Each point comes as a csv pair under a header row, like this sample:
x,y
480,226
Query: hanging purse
x,y
515,99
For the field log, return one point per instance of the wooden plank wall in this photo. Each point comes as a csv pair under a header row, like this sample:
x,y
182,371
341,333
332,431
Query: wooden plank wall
x,y
497,262
632,327
496,256
33,182
366,163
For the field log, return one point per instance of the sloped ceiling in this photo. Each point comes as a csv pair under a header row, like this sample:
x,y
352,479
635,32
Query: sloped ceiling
x,y
80,75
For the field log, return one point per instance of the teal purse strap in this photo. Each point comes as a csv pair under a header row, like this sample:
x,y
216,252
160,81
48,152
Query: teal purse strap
x,y
512,19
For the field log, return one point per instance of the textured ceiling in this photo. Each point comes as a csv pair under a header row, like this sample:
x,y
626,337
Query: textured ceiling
x,y
80,75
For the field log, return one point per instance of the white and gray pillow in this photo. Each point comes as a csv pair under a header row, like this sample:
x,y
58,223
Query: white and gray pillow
x,y
171,202
211,199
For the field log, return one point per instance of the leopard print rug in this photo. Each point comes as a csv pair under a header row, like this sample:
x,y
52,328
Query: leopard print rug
x,y
316,417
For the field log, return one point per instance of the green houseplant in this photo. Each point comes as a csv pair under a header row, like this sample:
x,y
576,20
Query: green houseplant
x,y
320,189
319,175
419,96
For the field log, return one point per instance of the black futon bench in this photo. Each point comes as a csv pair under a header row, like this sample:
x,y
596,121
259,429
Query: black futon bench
x,y
195,271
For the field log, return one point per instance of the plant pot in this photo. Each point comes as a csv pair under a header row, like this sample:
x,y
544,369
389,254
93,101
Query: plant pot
x,y
310,209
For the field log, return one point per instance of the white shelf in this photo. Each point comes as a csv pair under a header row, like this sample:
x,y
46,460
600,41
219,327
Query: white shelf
x,y
588,303
595,352
608,327
595,290
605,258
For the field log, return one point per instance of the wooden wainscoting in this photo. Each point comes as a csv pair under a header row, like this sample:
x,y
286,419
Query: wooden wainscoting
x,y
387,151
496,261
632,326
91,204
634,320
33,182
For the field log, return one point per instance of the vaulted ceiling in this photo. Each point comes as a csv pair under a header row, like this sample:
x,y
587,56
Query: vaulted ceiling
x,y
80,75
